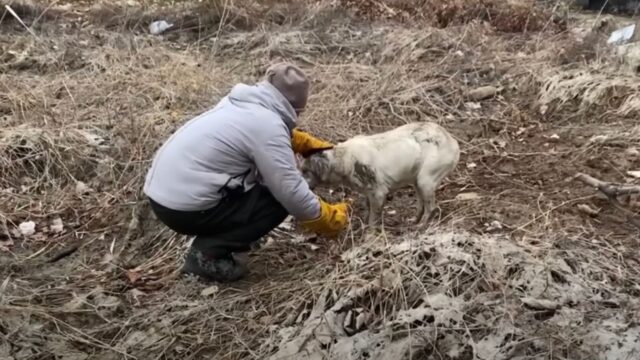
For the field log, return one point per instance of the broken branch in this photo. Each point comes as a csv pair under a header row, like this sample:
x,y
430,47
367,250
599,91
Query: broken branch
x,y
612,191
607,188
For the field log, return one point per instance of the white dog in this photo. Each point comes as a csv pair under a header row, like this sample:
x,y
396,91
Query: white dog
x,y
417,154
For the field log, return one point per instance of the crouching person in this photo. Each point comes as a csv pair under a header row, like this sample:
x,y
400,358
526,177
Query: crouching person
x,y
229,176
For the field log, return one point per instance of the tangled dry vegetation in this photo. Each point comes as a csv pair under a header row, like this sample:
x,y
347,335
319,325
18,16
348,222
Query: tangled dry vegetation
x,y
522,262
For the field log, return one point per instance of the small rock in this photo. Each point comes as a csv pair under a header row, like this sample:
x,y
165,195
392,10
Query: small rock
x,y
56,226
27,228
471,165
540,304
554,137
635,174
467,196
632,151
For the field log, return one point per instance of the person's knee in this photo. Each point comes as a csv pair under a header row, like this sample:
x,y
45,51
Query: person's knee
x,y
279,212
272,203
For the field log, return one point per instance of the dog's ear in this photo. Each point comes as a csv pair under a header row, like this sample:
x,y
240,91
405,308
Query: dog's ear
x,y
316,151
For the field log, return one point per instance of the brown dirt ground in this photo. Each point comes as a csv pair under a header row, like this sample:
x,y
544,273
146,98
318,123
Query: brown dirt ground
x,y
89,96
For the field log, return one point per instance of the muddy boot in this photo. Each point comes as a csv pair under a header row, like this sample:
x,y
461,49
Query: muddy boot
x,y
226,269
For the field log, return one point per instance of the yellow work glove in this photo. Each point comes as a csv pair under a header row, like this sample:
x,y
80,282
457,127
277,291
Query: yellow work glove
x,y
332,220
304,144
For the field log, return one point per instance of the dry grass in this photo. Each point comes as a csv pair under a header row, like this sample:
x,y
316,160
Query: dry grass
x,y
590,88
85,110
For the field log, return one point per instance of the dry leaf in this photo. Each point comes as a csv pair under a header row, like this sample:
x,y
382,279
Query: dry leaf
x,y
588,210
211,290
6,245
133,276
298,239
361,320
495,225
483,93
269,243
543,109
82,188
106,301
501,143
107,258
287,224
598,139
472,105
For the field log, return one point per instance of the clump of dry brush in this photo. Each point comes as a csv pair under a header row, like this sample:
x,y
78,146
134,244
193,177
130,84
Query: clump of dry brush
x,y
503,15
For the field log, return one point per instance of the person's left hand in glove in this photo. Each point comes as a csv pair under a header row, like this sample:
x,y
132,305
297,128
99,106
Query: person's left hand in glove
x,y
333,219
304,143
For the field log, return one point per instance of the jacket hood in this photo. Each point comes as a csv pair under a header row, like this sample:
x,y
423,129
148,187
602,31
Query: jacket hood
x,y
267,96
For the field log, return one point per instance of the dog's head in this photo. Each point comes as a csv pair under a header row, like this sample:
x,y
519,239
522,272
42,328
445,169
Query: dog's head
x,y
316,167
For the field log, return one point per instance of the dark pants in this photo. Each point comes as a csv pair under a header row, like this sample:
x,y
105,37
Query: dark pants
x,y
232,226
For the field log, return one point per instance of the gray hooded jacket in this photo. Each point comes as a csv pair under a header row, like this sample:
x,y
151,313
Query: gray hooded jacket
x,y
247,132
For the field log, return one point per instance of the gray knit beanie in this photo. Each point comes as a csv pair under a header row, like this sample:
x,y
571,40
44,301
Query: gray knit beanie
x,y
291,82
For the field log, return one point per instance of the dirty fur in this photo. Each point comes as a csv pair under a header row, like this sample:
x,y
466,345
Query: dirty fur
x,y
417,154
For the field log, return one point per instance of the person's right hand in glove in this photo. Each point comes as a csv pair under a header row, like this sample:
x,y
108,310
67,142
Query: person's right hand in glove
x,y
333,219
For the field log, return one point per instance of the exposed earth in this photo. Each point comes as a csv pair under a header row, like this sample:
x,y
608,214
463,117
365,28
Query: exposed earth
x,y
521,261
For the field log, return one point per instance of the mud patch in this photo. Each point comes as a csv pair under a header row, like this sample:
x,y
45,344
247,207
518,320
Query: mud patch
x,y
448,293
